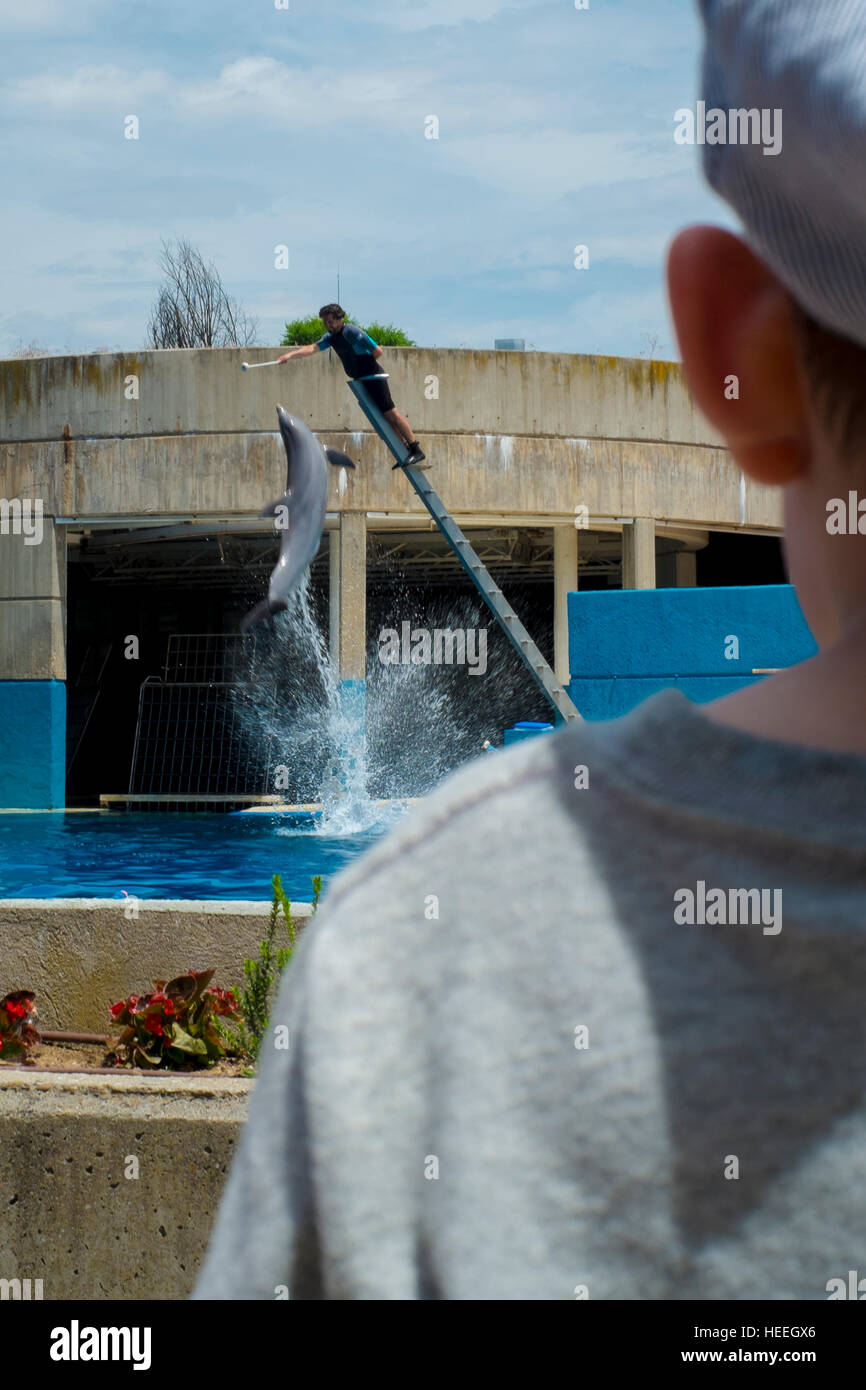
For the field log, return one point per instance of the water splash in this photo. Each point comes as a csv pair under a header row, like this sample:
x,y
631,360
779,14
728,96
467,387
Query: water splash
x,y
315,735
417,724
346,807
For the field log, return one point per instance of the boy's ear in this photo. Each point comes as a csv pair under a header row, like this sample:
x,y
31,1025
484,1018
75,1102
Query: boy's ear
x,y
738,338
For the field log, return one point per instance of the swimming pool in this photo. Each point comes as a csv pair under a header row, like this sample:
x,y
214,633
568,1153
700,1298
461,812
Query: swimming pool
x,y
104,854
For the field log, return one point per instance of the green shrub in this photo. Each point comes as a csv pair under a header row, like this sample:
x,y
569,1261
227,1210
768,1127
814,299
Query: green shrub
x,y
263,975
302,332
386,335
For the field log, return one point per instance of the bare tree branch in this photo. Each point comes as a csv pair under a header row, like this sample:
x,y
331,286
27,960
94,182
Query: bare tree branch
x,y
31,349
193,309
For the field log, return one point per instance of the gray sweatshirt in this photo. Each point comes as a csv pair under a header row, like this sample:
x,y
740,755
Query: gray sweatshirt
x,y
590,1023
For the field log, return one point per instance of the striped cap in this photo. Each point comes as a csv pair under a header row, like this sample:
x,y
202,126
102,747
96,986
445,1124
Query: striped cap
x,y
784,86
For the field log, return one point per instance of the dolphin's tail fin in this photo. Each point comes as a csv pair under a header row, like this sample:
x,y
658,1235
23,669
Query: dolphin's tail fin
x,y
337,459
262,612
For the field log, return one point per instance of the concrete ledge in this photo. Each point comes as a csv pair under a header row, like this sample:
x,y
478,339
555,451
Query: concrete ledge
x,y
74,1214
80,954
204,391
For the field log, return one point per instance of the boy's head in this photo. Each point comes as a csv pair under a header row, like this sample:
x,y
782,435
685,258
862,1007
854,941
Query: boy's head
x,y
332,317
773,339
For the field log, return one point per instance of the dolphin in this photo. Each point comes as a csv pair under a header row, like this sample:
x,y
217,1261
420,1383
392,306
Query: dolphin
x,y
300,512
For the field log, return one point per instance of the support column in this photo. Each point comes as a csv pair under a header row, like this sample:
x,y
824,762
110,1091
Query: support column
x,y
685,569
334,598
565,558
348,639
348,619
32,658
639,554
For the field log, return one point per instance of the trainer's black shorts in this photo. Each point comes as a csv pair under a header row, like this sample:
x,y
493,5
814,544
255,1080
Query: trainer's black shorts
x,y
377,390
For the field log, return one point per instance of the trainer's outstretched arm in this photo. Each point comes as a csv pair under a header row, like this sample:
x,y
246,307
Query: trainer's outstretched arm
x,y
299,352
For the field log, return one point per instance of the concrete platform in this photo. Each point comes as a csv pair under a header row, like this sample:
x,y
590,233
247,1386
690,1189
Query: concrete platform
x,y
109,1185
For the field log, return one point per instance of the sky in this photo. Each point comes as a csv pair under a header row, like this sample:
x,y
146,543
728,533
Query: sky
x,y
306,127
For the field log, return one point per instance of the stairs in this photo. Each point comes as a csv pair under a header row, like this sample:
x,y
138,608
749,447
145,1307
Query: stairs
x,y
483,581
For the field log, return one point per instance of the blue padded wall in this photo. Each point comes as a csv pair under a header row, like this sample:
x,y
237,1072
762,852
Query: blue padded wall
x,y
625,644
32,745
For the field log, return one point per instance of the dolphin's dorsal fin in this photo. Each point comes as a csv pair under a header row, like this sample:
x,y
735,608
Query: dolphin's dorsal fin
x,y
337,459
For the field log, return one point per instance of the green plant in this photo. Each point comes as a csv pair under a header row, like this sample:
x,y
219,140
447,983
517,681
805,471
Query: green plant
x,y
386,335
302,332
177,1025
17,1034
317,890
262,975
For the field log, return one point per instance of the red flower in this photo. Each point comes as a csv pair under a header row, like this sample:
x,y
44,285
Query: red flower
x,y
153,1025
15,1010
223,1000
117,1009
169,1007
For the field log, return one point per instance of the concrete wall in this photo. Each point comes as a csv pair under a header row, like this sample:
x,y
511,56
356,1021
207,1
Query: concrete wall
x,y
79,955
72,1214
518,433
447,389
227,475
625,645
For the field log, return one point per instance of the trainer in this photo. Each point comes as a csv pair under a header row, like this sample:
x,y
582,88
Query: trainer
x,y
359,354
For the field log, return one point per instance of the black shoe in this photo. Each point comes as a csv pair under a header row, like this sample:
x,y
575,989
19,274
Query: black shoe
x,y
415,455
413,458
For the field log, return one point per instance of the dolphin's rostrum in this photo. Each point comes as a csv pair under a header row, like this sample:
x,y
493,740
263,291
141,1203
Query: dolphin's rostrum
x,y
299,513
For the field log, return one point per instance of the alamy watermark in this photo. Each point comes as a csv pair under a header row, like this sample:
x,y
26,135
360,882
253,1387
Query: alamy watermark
x,y
77,1343
846,518
738,126
22,516
20,1289
717,907
458,646
853,1287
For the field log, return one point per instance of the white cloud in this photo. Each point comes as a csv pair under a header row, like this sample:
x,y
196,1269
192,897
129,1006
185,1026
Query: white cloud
x,y
61,15
313,96
525,156
89,88
550,163
411,15
247,90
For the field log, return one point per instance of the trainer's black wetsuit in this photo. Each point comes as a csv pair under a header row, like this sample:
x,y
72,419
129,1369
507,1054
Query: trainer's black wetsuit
x,y
352,345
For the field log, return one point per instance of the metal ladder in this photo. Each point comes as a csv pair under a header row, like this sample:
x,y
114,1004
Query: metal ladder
x,y
504,614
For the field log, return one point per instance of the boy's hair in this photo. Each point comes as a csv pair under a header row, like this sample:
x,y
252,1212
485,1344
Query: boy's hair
x,y
333,309
835,369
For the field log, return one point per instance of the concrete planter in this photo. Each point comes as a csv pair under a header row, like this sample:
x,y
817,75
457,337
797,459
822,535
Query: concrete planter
x,y
80,954
109,1185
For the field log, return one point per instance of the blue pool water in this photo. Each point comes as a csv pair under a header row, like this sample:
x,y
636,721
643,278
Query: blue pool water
x,y
101,855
